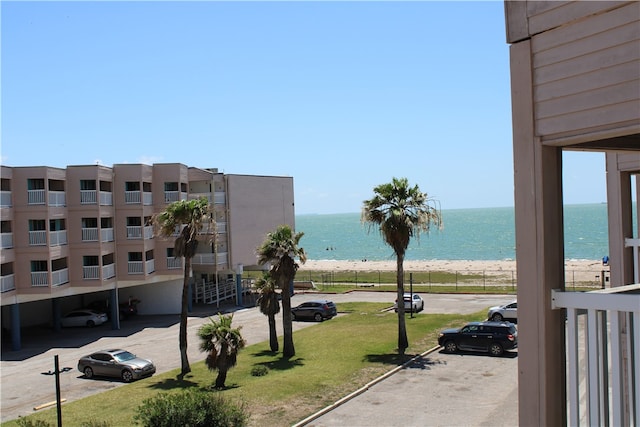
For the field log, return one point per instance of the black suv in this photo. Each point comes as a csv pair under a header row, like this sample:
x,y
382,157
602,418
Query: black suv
x,y
491,337
314,310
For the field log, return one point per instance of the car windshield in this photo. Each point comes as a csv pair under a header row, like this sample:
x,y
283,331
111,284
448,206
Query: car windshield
x,y
124,356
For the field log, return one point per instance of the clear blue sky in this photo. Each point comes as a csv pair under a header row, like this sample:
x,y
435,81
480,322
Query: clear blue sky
x,y
342,96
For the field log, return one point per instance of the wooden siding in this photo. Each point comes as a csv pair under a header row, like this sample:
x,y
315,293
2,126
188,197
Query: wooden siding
x,y
586,75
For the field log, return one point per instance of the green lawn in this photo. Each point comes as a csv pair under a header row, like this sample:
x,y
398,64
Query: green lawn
x,y
333,358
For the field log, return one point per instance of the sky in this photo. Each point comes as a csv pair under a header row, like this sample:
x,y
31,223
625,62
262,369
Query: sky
x,y
341,96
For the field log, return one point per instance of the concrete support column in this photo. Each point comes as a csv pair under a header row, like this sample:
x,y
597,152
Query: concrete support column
x,y
540,257
114,307
16,338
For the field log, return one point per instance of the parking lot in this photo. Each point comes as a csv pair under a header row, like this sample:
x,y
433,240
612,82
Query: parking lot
x,y
156,337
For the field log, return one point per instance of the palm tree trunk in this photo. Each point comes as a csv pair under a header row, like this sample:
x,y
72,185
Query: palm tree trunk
x,y
183,319
221,378
403,342
287,325
273,334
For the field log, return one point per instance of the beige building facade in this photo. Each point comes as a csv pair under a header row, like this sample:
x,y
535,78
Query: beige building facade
x,y
575,85
76,235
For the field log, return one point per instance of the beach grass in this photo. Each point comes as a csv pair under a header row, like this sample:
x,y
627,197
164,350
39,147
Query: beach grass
x,y
333,359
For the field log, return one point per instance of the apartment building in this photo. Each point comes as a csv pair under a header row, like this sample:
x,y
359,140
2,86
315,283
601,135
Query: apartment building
x,y
76,235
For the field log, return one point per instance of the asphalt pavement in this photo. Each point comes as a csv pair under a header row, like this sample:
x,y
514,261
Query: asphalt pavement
x,y
435,389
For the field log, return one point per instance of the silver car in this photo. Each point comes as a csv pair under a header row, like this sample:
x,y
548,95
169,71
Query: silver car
x,y
504,312
116,363
88,318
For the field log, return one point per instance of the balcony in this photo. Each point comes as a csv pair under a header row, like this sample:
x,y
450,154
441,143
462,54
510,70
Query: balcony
x,y
148,232
209,259
135,267
57,198
6,240
8,283
90,234
132,197
58,238
5,199
39,279
88,197
108,271
603,353
60,277
106,198
91,272
174,196
194,196
174,263
106,235
151,266
134,232
38,238
219,198
36,197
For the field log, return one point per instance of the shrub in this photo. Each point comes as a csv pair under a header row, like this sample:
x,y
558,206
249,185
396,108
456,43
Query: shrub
x,y
259,371
190,408
26,422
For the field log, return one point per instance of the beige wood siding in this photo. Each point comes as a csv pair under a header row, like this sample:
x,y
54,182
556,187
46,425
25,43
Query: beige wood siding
x,y
586,74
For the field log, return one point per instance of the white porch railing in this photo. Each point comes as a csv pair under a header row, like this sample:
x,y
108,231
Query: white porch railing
x,y
38,238
57,198
134,232
106,198
108,271
601,365
174,196
147,199
135,267
8,283
5,199
133,197
148,232
60,277
174,263
151,265
39,279
6,240
36,197
90,234
209,259
91,272
88,197
106,234
58,238
212,293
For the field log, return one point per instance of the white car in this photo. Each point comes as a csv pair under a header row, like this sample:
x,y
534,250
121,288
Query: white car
x,y
412,302
504,312
87,318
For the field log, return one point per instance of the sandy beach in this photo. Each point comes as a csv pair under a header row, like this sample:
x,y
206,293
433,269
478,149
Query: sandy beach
x,y
437,265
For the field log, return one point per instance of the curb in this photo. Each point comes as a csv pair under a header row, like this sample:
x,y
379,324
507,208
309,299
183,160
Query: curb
x,y
361,389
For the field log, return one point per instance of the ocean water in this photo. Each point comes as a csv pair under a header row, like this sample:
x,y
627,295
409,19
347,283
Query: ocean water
x,y
468,234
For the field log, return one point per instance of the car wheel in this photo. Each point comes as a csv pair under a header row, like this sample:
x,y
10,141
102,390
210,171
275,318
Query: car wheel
x,y
495,349
91,323
497,317
450,347
88,372
127,376
421,306
317,317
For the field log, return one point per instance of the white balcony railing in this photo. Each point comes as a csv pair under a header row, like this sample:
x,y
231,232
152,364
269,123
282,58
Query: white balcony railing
x,y
90,234
106,198
219,198
60,277
132,197
5,199
106,235
151,266
57,198
91,272
38,238
36,197
603,353
58,238
194,196
174,196
174,263
147,199
148,232
39,279
88,197
134,232
6,240
135,267
108,271
7,283
210,258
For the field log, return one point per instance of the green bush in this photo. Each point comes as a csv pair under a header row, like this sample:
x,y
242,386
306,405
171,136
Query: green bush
x,y
259,371
25,422
190,408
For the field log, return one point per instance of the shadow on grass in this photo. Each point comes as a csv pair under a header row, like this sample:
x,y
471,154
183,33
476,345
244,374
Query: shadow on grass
x,y
174,383
281,364
388,359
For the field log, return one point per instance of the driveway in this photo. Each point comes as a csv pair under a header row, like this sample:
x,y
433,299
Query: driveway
x,y
24,387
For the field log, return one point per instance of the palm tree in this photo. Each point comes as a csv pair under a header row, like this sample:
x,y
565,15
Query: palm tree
x,y
187,219
401,212
280,249
223,343
269,306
